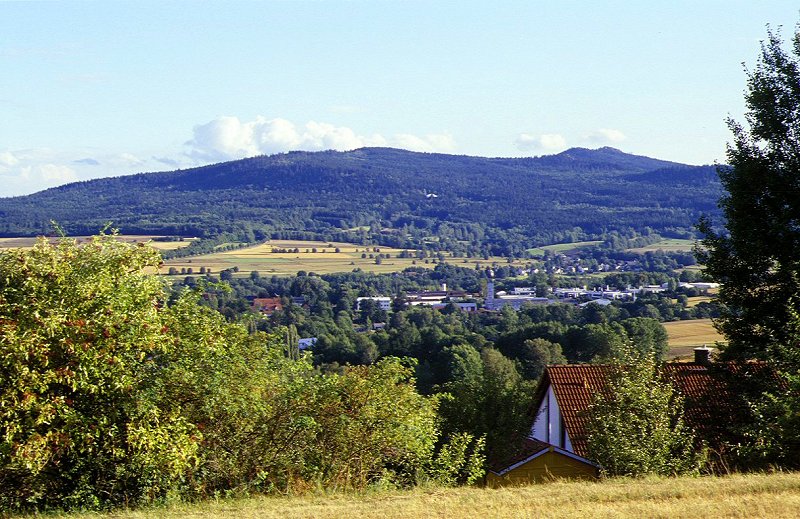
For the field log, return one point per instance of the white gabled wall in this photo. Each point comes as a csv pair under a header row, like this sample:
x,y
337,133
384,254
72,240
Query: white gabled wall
x,y
541,428
547,423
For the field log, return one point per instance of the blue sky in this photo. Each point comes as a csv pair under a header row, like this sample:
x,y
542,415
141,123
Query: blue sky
x,y
94,89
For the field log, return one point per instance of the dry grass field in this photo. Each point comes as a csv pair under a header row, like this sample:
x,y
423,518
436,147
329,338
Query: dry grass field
x,y
562,247
754,495
325,260
694,301
23,243
684,336
667,245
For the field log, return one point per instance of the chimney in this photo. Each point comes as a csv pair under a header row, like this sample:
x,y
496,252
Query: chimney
x,y
702,356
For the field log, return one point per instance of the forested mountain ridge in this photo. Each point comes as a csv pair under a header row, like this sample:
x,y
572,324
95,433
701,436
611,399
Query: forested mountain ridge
x,y
388,195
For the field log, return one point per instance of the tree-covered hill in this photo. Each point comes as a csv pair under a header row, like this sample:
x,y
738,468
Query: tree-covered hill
x,y
393,196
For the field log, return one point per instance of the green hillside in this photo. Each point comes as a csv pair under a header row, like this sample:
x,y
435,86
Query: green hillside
x,y
499,206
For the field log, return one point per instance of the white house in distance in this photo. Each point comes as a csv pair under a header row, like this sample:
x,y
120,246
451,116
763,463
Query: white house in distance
x,y
385,303
497,301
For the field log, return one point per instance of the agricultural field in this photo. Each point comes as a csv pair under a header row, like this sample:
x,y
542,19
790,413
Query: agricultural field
x,y
24,243
562,247
313,256
684,336
667,245
739,495
694,301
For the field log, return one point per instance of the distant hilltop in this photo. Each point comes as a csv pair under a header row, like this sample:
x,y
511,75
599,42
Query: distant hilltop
x,y
390,196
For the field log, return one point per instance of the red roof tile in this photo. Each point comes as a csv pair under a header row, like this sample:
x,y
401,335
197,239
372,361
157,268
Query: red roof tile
x,y
713,395
575,387
267,304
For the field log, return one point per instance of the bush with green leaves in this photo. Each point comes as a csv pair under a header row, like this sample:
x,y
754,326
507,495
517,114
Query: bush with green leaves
x,y
82,332
113,391
635,426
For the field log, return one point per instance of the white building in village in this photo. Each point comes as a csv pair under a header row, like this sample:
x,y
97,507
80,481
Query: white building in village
x,y
385,303
497,302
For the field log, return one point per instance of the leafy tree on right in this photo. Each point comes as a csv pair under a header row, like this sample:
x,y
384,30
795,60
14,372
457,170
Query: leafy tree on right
x,y
757,260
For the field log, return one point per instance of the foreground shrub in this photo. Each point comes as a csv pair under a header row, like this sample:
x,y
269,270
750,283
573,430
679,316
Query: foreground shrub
x,y
81,332
111,396
636,427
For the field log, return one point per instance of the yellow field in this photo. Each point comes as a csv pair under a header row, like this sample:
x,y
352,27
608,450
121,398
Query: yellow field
x,y
753,495
684,336
694,301
23,243
325,261
562,247
667,245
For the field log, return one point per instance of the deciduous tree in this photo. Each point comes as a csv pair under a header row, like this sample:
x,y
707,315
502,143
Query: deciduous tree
x,y
756,257
636,426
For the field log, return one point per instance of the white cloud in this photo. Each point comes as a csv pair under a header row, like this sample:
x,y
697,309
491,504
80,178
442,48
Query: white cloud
x,y
442,143
543,142
57,173
227,138
130,159
25,171
223,137
8,159
31,170
606,136
88,161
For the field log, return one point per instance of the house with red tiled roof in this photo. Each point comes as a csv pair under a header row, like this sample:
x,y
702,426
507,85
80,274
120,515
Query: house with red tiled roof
x,y
267,305
714,399
535,461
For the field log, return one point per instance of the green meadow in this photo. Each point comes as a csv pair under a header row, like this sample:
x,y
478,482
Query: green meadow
x,y
562,247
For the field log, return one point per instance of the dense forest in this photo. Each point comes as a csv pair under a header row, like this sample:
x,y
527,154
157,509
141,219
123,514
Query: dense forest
x,y
498,206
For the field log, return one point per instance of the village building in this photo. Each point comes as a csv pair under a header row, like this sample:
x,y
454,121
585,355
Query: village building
x,y
713,402
267,305
384,303
498,301
467,307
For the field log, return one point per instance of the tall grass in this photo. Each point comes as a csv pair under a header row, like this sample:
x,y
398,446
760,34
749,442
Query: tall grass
x,y
754,495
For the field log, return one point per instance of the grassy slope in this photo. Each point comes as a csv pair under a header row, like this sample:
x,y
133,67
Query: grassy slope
x,y
562,247
755,495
